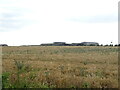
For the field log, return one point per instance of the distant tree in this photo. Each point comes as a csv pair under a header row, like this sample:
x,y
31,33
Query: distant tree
x,y
3,45
106,45
91,45
115,45
111,44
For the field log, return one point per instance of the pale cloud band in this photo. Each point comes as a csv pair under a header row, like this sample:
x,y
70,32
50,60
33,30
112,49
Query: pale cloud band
x,y
111,18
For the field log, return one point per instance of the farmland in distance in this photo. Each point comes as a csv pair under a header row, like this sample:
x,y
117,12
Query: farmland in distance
x,y
60,67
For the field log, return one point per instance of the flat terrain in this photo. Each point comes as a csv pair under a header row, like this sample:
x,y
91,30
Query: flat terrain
x,y
60,66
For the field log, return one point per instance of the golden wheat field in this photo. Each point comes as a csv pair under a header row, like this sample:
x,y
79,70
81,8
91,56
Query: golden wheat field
x,y
60,67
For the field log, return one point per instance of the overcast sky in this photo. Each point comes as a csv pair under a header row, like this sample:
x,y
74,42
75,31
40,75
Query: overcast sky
x,y
26,22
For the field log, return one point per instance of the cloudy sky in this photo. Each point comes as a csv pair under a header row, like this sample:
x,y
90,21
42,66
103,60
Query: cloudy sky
x,y
26,22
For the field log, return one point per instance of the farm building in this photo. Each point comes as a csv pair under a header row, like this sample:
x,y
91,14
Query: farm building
x,y
54,44
73,44
47,44
76,44
89,44
59,44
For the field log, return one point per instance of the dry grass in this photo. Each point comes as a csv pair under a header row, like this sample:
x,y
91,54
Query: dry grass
x,y
62,66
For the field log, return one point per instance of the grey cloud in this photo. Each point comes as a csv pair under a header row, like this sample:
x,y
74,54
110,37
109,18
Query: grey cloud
x,y
18,9
7,23
10,25
10,21
10,15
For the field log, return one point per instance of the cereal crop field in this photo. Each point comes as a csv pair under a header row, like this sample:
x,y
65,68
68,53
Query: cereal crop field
x,y
59,67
